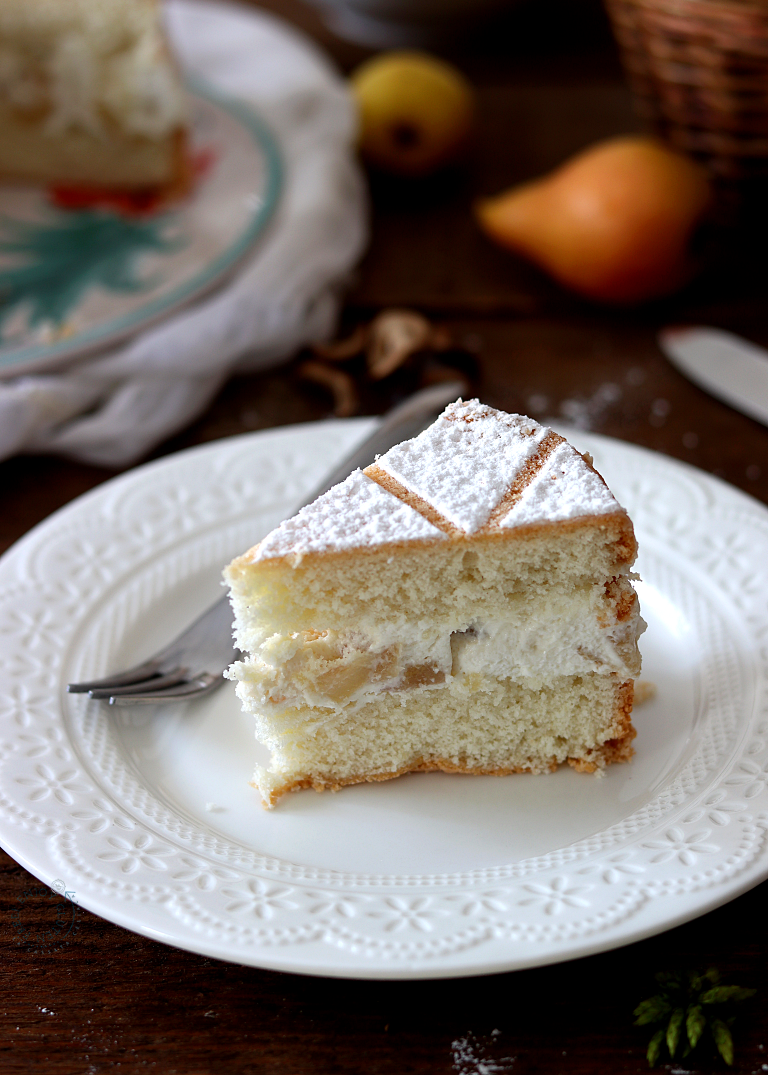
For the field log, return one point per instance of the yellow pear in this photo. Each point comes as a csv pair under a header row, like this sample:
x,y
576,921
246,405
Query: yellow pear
x,y
613,223
415,111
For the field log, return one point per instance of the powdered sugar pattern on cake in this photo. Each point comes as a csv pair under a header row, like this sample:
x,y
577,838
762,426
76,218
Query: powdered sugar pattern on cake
x,y
564,488
463,467
355,513
465,463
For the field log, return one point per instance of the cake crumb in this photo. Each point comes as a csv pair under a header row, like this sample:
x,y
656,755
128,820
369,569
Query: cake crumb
x,y
213,808
645,691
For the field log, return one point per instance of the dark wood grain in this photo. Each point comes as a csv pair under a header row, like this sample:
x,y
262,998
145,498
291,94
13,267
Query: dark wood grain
x,y
103,1000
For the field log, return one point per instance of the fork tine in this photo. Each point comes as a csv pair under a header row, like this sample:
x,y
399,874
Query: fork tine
x,y
201,685
172,678
137,674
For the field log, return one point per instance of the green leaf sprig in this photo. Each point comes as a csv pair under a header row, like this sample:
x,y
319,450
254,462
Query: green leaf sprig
x,y
691,1007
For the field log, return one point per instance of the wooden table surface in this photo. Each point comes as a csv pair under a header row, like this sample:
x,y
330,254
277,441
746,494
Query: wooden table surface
x,y
548,83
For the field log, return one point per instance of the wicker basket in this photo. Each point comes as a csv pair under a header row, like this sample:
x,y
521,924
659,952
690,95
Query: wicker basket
x,y
699,73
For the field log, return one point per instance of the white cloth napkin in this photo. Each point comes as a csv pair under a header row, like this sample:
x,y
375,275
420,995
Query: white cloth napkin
x,y
113,409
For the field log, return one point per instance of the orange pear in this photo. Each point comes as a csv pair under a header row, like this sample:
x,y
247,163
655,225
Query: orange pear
x,y
613,223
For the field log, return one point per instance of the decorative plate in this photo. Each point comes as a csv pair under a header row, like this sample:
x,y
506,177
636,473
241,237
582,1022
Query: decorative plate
x,y
148,817
83,271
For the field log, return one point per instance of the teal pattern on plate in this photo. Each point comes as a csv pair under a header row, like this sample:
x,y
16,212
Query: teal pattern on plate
x,y
71,253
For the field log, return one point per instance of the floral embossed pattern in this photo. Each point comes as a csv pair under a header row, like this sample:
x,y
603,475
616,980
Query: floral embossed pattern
x,y
150,816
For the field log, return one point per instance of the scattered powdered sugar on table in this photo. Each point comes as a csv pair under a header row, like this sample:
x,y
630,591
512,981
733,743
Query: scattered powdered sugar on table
x,y
466,461
470,1056
660,409
584,413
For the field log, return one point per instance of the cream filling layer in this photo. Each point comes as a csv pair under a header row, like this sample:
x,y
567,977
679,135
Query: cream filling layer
x,y
338,671
539,650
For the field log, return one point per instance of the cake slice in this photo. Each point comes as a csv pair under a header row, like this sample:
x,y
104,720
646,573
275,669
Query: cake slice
x,y
89,94
464,604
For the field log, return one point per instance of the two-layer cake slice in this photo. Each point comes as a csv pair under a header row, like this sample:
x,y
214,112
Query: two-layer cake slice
x,y
465,604
89,94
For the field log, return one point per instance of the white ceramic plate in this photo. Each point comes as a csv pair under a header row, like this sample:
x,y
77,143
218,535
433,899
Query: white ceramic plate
x,y
149,818
75,281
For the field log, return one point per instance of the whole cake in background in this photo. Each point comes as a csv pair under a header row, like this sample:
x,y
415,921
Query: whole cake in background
x,y
89,94
464,604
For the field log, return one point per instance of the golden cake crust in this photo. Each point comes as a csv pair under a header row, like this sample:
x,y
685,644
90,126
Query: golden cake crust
x,y
619,524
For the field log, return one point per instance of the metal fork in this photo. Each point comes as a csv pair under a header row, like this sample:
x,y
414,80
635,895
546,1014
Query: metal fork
x,y
192,664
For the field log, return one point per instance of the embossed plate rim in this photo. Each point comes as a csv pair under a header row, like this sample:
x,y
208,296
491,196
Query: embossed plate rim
x,y
286,935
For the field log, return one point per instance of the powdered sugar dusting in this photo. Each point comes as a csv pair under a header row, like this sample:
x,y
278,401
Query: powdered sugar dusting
x,y
471,1056
564,488
354,514
464,464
